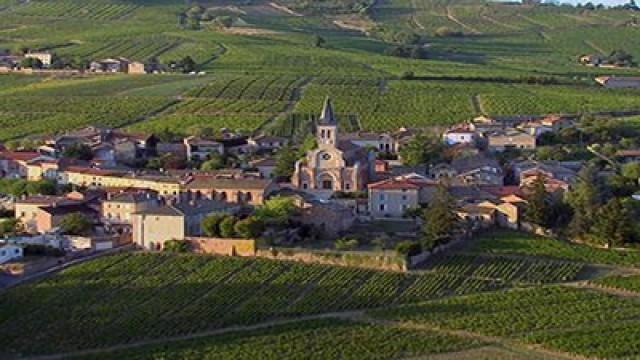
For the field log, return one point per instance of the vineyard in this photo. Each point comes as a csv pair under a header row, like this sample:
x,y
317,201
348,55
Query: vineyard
x,y
620,282
96,9
317,339
509,242
153,296
582,322
526,271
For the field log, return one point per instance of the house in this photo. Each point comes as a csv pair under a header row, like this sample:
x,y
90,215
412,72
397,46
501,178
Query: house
x,y
382,142
460,134
27,165
200,149
393,197
467,171
10,252
627,156
152,227
28,207
118,207
477,215
499,141
557,122
49,217
266,167
267,142
103,178
331,218
334,165
241,189
534,128
615,82
44,57
592,60
550,169
137,68
111,65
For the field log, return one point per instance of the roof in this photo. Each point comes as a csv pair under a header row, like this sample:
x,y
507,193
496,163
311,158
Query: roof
x,y
41,199
93,171
476,209
327,116
503,190
188,208
212,182
400,183
64,209
630,152
264,162
461,128
466,164
19,155
131,197
194,140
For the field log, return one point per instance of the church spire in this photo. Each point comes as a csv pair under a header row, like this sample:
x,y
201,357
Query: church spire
x,y
327,117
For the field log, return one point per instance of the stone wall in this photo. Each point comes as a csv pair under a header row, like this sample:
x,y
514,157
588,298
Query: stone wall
x,y
223,246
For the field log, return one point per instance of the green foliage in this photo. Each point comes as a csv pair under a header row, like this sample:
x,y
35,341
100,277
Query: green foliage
x,y
78,151
408,248
346,244
276,210
76,224
214,162
285,161
18,187
9,226
613,225
538,210
176,246
211,224
249,228
440,219
421,149
227,227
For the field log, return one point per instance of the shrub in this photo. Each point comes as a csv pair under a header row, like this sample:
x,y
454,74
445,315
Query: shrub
x,y
211,224
248,228
408,248
76,224
346,244
227,227
176,246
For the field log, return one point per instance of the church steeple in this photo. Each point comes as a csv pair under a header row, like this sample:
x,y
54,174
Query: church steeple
x,y
327,132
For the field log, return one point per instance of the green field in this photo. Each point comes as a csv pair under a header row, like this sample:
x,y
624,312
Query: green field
x,y
620,282
319,339
582,322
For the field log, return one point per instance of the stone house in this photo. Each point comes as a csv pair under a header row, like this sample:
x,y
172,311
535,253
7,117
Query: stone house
x,y
44,57
460,134
468,171
118,207
199,149
393,197
499,141
267,142
266,167
243,190
154,226
382,142
110,65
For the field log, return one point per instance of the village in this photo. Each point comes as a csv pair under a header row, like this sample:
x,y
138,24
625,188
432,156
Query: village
x,y
99,189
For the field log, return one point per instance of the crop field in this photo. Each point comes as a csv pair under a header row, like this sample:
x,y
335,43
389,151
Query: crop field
x,y
510,242
620,282
154,296
317,339
95,9
534,271
576,321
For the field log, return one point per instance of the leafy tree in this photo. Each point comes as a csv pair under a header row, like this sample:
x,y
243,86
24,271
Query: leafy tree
x,y
78,151
187,64
249,228
215,162
9,227
408,248
538,208
613,224
423,148
440,219
176,246
42,187
584,198
227,227
31,63
631,171
76,224
285,161
211,224
276,210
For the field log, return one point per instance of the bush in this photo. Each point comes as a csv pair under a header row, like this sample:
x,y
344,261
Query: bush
x,y
248,228
76,224
408,248
211,224
176,246
227,227
346,244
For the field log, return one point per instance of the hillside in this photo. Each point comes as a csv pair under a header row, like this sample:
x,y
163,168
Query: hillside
x,y
268,54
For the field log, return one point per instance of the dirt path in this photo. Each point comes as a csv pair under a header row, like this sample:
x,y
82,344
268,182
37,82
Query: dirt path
x,y
284,9
469,28
231,329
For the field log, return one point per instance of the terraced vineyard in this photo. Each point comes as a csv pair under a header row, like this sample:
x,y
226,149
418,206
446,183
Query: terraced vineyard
x,y
94,9
629,283
155,295
309,340
505,269
581,322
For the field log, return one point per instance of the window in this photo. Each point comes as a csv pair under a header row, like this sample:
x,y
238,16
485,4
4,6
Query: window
x,y
404,197
347,186
17,251
382,207
381,197
3,253
305,185
327,184
326,156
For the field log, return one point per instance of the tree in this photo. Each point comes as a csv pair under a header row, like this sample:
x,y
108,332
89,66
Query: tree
x,y
408,248
176,246
31,63
78,151
318,41
249,228
276,210
538,208
215,162
187,64
631,171
211,224
613,225
76,224
9,227
346,244
584,198
41,187
423,148
285,161
440,219
227,227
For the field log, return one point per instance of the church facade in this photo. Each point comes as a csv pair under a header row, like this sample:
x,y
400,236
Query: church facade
x,y
336,164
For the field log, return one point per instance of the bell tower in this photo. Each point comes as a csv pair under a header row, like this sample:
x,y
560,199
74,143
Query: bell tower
x,y
327,128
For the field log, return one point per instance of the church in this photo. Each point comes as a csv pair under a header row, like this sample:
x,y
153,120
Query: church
x,y
336,164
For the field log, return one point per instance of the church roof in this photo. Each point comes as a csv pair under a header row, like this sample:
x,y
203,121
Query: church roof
x,y
327,116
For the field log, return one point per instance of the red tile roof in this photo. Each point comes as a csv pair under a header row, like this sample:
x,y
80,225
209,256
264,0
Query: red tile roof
x,y
19,155
398,184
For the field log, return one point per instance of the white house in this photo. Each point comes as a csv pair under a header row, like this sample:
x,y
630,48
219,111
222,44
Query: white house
x,y
10,252
460,134
199,149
